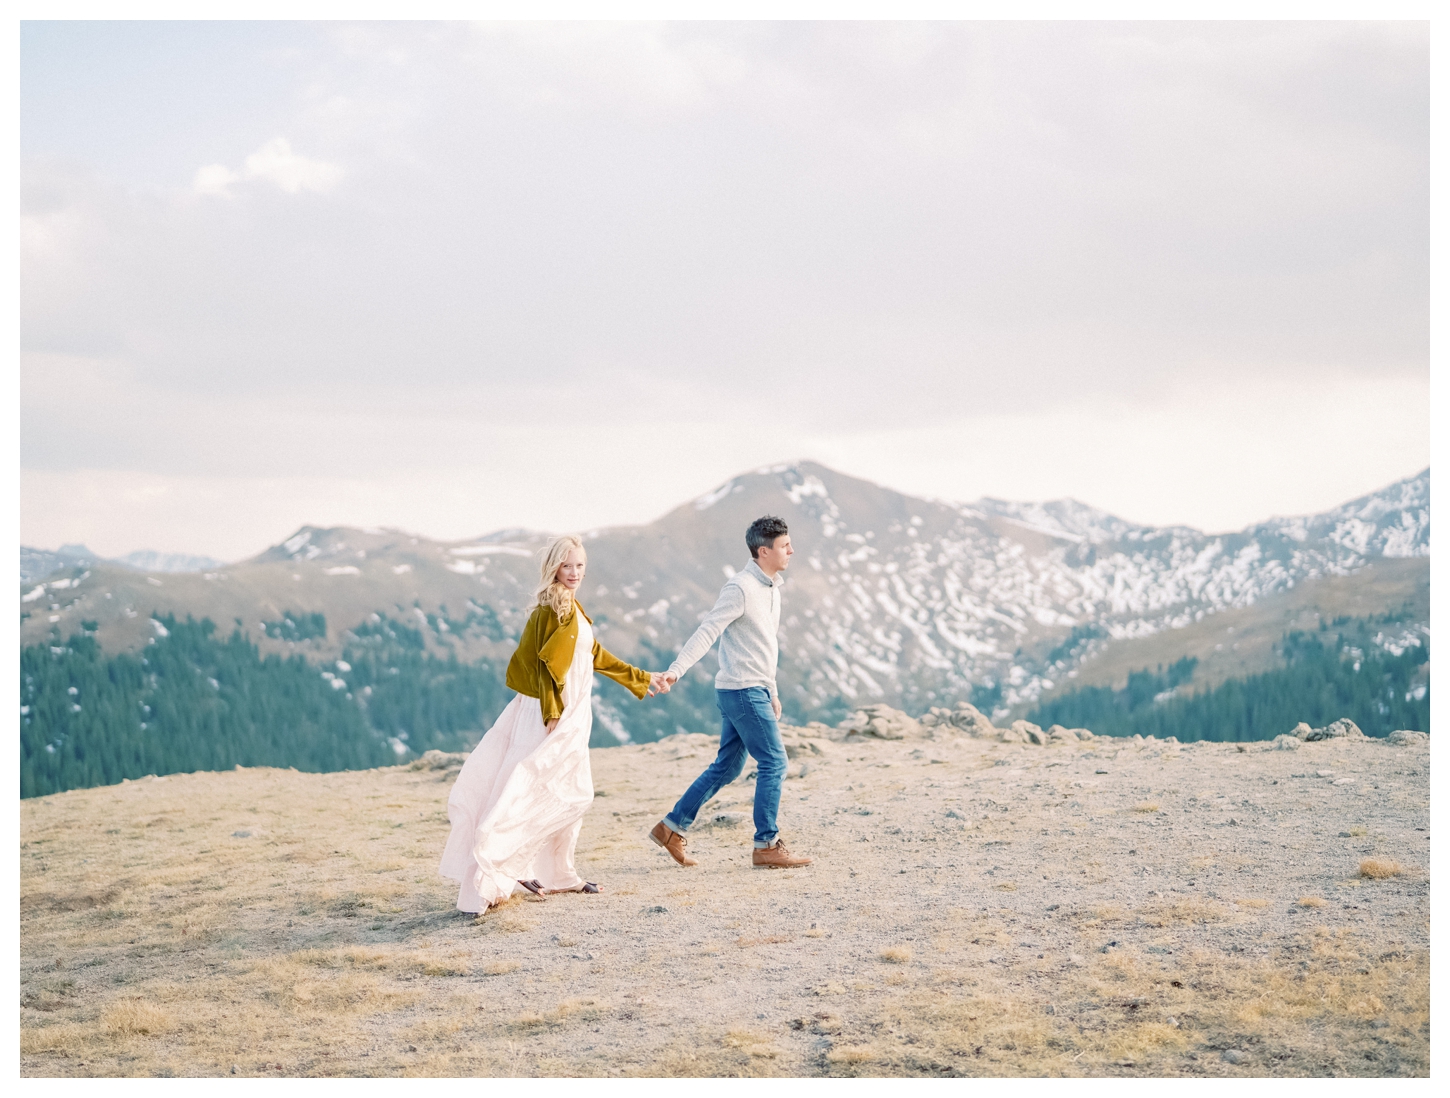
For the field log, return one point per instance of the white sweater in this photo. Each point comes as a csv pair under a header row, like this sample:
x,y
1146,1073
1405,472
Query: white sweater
x,y
746,618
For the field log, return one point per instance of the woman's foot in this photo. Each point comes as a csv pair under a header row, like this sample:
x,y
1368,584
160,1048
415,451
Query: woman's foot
x,y
533,886
588,886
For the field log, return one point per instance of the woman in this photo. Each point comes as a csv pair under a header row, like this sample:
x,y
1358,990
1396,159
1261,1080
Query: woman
x,y
518,803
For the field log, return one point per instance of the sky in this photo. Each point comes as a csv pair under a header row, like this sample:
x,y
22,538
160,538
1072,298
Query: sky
x,y
453,277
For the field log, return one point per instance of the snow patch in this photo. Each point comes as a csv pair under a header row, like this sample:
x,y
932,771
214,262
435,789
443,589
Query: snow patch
x,y
709,499
811,486
342,570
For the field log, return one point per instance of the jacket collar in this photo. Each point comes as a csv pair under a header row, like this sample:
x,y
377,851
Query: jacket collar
x,y
759,573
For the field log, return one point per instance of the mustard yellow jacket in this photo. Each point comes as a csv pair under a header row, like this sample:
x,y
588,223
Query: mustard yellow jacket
x,y
545,652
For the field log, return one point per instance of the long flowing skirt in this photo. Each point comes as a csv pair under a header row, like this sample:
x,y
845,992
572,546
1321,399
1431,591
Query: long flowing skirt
x,y
519,800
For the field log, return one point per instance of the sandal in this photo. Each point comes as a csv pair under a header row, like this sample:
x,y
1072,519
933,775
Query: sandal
x,y
535,887
588,886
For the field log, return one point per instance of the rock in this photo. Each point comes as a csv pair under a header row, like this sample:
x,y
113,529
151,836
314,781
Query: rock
x,y
1057,732
1342,727
1405,737
1235,1056
1287,743
1084,733
438,760
1032,732
881,722
1012,735
972,721
1301,731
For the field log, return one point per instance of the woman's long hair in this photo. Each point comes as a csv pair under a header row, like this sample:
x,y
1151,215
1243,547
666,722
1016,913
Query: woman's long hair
x,y
550,592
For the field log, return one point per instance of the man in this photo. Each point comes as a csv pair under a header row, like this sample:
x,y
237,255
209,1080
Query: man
x,y
746,618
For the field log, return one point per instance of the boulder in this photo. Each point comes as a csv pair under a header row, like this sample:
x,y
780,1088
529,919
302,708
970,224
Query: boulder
x,y
1013,734
1406,737
1342,727
812,740
880,722
434,759
1285,743
1031,732
1301,731
1061,734
966,717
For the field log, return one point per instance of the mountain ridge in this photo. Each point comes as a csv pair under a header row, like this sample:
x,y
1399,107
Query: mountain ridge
x,y
892,598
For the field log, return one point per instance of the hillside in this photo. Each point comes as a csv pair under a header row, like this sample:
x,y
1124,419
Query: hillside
x,y
976,909
891,598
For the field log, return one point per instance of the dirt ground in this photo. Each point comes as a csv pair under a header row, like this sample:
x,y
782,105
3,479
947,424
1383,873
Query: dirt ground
x,y
975,908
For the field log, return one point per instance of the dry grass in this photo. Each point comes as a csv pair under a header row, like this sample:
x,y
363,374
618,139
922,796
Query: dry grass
x,y
896,955
582,1009
325,945
133,1017
1380,869
851,1054
756,1045
1121,1010
1312,901
1146,806
1184,911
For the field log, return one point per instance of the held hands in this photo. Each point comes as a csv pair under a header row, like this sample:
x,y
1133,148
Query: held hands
x,y
660,682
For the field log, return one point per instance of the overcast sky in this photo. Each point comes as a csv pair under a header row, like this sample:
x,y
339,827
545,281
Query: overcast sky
x,y
454,277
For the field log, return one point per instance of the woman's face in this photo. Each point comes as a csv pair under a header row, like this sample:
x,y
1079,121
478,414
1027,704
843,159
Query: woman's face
x,y
571,572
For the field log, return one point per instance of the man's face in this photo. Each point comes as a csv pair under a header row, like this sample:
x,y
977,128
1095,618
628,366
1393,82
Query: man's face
x,y
775,557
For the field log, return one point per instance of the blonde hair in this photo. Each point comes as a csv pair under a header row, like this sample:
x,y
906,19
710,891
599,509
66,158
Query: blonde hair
x,y
551,592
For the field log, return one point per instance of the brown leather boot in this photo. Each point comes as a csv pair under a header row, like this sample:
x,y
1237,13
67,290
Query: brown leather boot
x,y
673,842
777,857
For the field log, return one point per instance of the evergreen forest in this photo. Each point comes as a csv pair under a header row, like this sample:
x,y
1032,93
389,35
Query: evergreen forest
x,y
192,700
195,700
1338,671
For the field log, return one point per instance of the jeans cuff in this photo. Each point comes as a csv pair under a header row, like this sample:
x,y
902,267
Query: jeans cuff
x,y
766,846
669,822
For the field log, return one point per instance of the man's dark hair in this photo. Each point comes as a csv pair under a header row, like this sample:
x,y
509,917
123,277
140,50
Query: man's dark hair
x,y
763,531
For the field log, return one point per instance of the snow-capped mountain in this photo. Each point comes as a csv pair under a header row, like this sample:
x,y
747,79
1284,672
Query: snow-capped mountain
x,y
914,600
890,597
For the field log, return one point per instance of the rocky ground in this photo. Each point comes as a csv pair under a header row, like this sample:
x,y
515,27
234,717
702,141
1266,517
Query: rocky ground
x,y
1075,906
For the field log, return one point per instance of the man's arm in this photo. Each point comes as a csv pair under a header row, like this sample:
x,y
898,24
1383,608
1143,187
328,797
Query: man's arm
x,y
729,606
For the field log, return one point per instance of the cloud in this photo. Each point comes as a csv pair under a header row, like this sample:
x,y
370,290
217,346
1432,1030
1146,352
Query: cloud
x,y
276,163
836,230
214,179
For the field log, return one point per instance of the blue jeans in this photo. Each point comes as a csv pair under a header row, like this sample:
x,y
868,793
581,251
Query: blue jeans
x,y
747,724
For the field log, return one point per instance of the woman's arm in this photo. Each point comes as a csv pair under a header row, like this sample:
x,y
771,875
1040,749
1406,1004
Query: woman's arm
x,y
633,679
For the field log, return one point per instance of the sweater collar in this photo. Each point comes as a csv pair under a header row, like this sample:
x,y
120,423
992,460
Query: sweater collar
x,y
759,573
